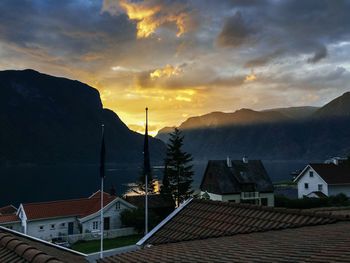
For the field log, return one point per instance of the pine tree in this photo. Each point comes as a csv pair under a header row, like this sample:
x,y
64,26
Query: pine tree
x,y
178,174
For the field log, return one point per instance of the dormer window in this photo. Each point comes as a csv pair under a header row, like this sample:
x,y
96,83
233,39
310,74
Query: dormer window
x,y
311,173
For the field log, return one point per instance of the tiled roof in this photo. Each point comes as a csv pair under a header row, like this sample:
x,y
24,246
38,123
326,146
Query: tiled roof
x,y
333,174
201,219
9,218
322,243
75,207
221,179
154,201
9,209
17,248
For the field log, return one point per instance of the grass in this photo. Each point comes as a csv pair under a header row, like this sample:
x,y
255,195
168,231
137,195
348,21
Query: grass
x,y
92,246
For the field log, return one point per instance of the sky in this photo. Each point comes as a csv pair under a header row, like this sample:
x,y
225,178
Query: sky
x,y
184,58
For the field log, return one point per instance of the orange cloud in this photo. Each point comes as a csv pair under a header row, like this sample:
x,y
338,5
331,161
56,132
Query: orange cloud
x,y
149,17
250,77
168,71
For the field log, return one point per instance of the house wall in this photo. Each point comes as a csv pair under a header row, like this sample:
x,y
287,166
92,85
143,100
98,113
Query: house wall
x,y
270,198
237,198
33,227
112,212
17,226
337,189
313,183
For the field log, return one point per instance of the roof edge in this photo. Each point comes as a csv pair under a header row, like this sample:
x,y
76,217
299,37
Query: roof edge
x,y
42,241
157,227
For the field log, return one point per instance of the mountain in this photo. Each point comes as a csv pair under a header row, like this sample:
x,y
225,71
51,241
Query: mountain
x,y
277,134
296,113
47,120
339,107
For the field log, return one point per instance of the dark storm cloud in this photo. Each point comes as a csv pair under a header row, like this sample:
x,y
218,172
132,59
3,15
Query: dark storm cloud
x,y
296,27
65,28
236,32
319,54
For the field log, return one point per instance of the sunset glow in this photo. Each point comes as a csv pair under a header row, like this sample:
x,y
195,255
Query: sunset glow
x,y
184,58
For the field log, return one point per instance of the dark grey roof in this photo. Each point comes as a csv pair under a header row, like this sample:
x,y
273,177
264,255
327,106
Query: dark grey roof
x,y
221,179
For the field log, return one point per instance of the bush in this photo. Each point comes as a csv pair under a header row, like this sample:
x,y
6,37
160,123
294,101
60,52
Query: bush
x,y
136,218
306,202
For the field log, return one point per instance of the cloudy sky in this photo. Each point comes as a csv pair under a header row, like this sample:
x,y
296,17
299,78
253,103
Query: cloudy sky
x,y
184,58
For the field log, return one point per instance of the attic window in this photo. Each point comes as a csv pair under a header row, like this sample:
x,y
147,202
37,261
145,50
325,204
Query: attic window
x,y
306,185
117,205
311,173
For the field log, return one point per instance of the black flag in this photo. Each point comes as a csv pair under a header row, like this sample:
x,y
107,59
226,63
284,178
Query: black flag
x,y
103,153
146,162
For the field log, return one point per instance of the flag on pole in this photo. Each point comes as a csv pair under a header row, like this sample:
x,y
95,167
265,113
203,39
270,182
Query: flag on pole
x,y
146,161
103,153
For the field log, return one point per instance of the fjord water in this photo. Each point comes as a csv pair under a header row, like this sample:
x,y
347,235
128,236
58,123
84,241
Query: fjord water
x,y
60,182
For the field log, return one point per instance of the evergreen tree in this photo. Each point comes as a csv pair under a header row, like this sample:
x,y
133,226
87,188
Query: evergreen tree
x,y
178,174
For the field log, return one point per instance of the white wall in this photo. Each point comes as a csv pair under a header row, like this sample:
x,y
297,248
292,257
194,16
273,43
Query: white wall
x,y
237,197
337,189
214,197
114,216
313,183
270,198
33,227
17,226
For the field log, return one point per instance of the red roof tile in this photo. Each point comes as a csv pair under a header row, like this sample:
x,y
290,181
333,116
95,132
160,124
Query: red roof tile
x,y
201,219
75,207
18,248
9,218
9,209
322,243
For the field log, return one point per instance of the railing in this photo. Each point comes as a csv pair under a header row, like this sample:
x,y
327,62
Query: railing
x,y
127,231
250,195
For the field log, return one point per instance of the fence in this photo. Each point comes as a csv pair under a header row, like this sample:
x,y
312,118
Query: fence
x,y
127,231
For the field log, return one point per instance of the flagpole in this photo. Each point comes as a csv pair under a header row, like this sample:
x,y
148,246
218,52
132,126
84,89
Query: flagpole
x,y
102,178
146,181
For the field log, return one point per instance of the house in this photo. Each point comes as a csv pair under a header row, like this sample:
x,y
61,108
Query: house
x,y
18,247
48,220
324,179
214,231
9,219
239,181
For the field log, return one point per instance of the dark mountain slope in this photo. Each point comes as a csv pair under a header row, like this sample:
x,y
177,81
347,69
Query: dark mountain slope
x,y
45,119
339,107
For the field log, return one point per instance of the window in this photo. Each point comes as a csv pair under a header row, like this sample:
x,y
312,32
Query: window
x,y
117,205
306,185
320,187
41,228
311,173
63,224
53,226
95,225
106,223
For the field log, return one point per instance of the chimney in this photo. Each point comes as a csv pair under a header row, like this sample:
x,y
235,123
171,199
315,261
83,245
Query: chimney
x,y
245,159
228,162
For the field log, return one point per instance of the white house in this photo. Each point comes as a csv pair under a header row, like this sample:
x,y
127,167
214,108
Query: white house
x,y
48,220
239,181
9,219
324,179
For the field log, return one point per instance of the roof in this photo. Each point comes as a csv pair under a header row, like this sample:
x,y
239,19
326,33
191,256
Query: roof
x,y
9,209
333,174
202,219
154,201
8,214
20,248
9,218
221,179
319,194
74,207
321,243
